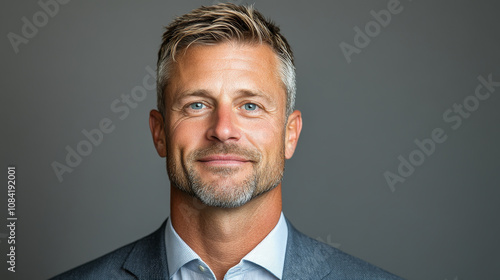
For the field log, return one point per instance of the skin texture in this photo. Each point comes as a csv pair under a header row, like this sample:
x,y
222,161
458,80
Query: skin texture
x,y
226,137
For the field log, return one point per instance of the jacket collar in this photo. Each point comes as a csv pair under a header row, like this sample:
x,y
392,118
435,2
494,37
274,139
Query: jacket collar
x,y
148,258
304,259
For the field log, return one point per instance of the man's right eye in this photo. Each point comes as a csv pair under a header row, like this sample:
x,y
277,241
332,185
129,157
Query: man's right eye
x,y
197,106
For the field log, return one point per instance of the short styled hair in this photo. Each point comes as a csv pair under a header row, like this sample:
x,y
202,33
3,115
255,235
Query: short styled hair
x,y
222,23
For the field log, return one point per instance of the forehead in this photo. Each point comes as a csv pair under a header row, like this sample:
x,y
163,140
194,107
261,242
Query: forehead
x,y
226,67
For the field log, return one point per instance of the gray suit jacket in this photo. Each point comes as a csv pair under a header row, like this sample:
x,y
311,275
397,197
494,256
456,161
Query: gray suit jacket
x,y
305,259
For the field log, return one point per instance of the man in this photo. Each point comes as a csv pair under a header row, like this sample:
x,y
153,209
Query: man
x,y
225,124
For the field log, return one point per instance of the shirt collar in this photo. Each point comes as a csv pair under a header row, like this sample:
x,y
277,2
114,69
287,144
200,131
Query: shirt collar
x,y
178,252
269,253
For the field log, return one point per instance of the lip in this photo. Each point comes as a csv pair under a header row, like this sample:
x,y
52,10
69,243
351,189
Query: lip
x,y
224,159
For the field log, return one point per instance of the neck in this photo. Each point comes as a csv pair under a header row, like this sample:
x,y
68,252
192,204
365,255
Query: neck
x,y
223,236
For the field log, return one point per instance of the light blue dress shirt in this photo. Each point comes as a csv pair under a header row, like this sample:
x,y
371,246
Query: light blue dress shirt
x,y
264,262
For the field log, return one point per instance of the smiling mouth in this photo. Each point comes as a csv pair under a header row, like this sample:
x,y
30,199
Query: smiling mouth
x,y
224,160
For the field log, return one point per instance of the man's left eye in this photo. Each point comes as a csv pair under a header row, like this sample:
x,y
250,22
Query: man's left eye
x,y
250,107
197,106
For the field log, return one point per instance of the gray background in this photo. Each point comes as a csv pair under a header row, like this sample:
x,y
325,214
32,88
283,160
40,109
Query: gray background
x,y
440,223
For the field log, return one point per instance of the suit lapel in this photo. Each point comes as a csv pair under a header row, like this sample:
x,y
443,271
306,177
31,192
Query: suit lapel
x,y
148,258
304,259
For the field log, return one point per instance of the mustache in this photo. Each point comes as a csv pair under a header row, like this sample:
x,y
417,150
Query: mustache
x,y
224,149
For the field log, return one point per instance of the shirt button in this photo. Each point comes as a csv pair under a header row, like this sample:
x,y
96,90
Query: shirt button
x,y
202,269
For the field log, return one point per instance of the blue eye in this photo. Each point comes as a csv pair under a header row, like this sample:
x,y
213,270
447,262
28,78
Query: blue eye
x,y
197,106
250,107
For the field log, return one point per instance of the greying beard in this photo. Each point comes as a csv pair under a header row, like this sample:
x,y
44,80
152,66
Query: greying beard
x,y
226,196
233,197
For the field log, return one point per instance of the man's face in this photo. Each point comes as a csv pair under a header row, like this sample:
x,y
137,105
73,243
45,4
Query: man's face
x,y
225,123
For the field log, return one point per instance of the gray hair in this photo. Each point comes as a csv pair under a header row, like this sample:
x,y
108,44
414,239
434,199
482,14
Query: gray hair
x,y
221,23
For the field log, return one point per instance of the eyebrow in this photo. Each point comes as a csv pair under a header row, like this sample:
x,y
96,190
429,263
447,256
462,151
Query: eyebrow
x,y
196,92
238,93
254,93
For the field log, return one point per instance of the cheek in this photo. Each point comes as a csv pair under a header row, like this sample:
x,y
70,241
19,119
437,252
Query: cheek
x,y
266,137
184,136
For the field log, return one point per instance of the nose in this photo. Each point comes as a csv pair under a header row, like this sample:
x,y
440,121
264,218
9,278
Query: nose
x,y
224,125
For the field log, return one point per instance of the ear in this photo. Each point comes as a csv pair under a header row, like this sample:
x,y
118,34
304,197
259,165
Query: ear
x,y
157,126
293,128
